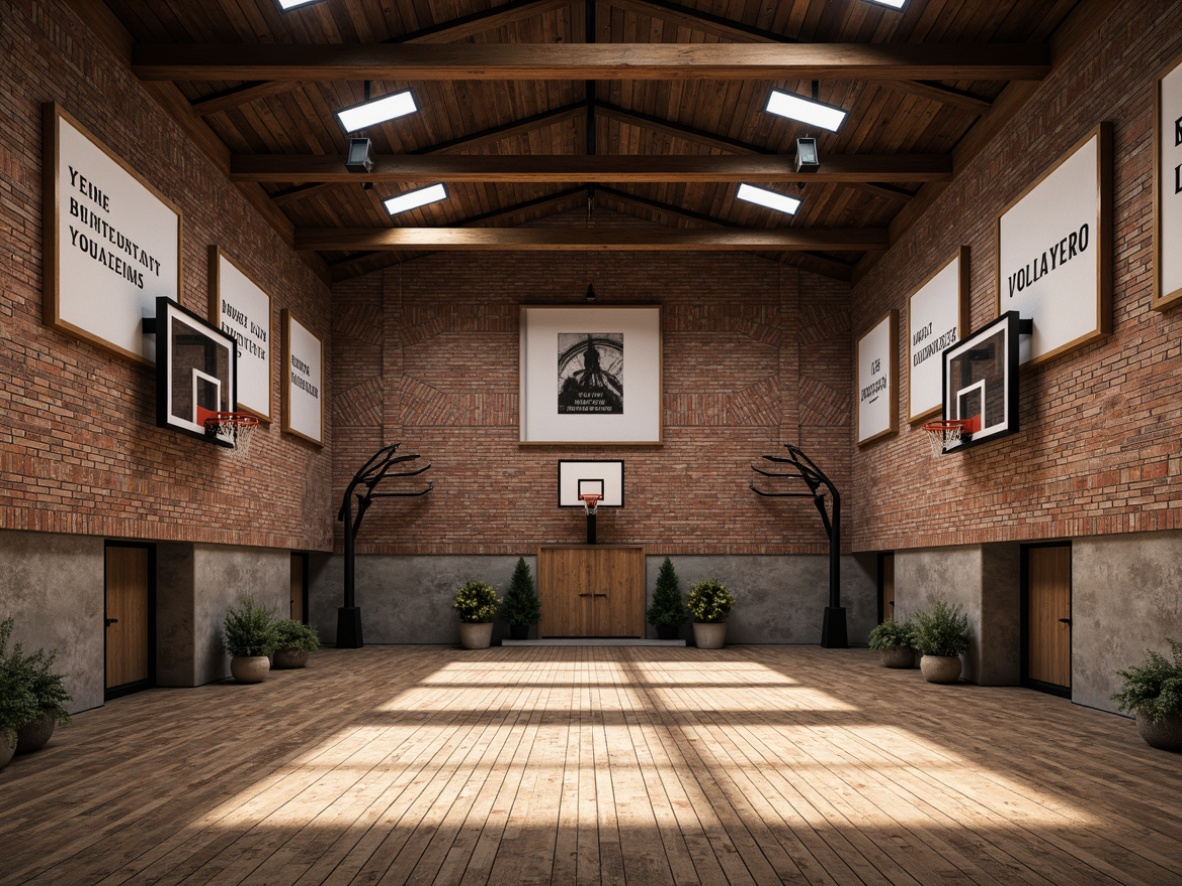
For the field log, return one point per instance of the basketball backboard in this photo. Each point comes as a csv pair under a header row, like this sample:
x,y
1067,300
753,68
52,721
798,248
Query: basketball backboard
x,y
577,477
981,382
196,367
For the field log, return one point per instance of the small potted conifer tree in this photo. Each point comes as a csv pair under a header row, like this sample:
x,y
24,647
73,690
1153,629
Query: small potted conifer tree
x,y
521,606
667,611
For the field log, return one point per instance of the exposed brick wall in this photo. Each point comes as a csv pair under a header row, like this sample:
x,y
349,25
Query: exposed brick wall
x,y
755,355
1098,448
79,449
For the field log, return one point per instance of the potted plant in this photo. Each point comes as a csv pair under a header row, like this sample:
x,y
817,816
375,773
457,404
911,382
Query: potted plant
x,y
521,607
940,635
1152,693
476,604
250,638
295,642
892,640
710,603
667,611
49,692
18,704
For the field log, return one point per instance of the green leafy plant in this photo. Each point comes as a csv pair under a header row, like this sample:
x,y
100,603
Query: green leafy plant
x,y
48,686
892,635
667,608
476,602
1153,689
710,601
249,629
18,703
521,605
941,630
296,636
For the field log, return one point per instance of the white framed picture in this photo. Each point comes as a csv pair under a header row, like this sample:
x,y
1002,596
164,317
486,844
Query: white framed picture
x,y
877,392
303,381
1167,187
242,310
1054,249
935,319
591,374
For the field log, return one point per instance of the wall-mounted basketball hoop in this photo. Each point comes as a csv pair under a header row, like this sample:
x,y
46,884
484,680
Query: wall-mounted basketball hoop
x,y
233,430
944,435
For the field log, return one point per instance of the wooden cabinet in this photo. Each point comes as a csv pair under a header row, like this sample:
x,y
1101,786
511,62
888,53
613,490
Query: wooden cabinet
x,y
591,590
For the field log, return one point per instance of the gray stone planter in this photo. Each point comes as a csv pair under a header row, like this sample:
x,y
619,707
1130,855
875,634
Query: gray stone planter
x,y
1165,734
476,636
250,668
709,636
34,736
898,657
940,668
285,659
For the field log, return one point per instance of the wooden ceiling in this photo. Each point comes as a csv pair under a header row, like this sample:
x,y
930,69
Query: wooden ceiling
x,y
624,110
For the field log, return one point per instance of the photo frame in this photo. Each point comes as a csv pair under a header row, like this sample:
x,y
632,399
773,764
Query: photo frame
x,y
936,315
303,381
112,241
1167,187
1054,249
242,310
591,374
877,392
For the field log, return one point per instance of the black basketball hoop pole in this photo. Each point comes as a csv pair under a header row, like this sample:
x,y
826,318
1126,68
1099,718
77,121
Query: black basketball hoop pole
x,y
833,628
374,471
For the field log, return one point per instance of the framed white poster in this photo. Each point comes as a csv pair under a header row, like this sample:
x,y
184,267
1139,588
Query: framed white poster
x,y
112,242
1054,249
591,374
243,311
877,392
1167,187
935,320
303,381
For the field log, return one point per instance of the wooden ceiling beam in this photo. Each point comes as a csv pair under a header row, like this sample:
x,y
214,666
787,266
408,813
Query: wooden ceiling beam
x,y
241,95
538,239
591,168
600,61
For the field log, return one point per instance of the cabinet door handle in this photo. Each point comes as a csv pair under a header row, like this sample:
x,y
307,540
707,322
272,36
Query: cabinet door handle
x,y
586,595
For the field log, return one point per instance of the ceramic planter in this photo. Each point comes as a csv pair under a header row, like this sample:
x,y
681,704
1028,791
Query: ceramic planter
x,y
34,736
1165,734
940,668
476,636
250,668
899,657
290,658
709,636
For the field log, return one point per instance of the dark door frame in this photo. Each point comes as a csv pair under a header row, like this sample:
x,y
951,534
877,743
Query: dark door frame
x,y
1024,605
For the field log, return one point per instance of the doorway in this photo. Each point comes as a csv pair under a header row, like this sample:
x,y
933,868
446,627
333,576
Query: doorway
x,y
299,588
886,587
1046,617
129,617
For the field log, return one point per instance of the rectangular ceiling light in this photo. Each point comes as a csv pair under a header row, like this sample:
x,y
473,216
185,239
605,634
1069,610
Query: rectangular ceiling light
x,y
294,4
797,107
893,4
415,199
770,199
377,110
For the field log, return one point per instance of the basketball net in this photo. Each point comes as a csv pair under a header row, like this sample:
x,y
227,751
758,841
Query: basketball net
x,y
236,428
944,434
590,502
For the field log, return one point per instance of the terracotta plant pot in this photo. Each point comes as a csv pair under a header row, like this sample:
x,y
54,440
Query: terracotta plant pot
x,y
940,668
709,636
285,659
898,657
1165,734
34,736
250,668
476,636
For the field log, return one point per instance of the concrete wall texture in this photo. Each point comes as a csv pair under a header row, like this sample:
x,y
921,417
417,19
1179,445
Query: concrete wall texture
x,y
755,354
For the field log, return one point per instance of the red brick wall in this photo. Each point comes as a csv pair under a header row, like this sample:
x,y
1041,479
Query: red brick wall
x,y
79,449
755,355
1098,450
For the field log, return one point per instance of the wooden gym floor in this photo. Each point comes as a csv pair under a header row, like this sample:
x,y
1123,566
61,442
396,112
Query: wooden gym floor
x,y
593,765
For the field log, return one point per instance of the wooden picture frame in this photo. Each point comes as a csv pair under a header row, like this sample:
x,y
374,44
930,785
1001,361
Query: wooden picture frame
x,y
1054,251
111,241
591,374
1167,186
303,381
877,393
936,317
242,309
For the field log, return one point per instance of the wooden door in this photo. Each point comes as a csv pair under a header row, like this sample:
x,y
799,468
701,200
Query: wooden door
x,y
128,624
1048,615
298,572
887,579
617,585
568,608
591,591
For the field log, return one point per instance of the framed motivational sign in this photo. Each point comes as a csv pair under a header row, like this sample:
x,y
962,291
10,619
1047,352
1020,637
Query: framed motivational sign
x,y
243,311
1054,252
1167,187
935,319
303,381
877,392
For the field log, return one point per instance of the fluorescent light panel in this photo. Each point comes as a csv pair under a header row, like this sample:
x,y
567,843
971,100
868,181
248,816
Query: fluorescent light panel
x,y
770,199
294,4
415,199
377,110
805,110
893,4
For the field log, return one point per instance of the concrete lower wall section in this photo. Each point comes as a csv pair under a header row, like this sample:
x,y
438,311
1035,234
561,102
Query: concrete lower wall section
x,y
407,599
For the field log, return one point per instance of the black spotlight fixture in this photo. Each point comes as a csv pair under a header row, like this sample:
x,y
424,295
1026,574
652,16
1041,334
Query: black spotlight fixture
x,y
360,155
807,158
591,296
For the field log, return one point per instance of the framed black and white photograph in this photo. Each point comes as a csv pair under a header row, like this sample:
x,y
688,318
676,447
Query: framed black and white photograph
x,y
241,309
1167,187
112,242
303,381
591,374
935,319
877,392
1054,248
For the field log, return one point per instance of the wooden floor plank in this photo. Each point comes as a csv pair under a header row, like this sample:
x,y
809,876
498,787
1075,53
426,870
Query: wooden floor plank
x,y
561,765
